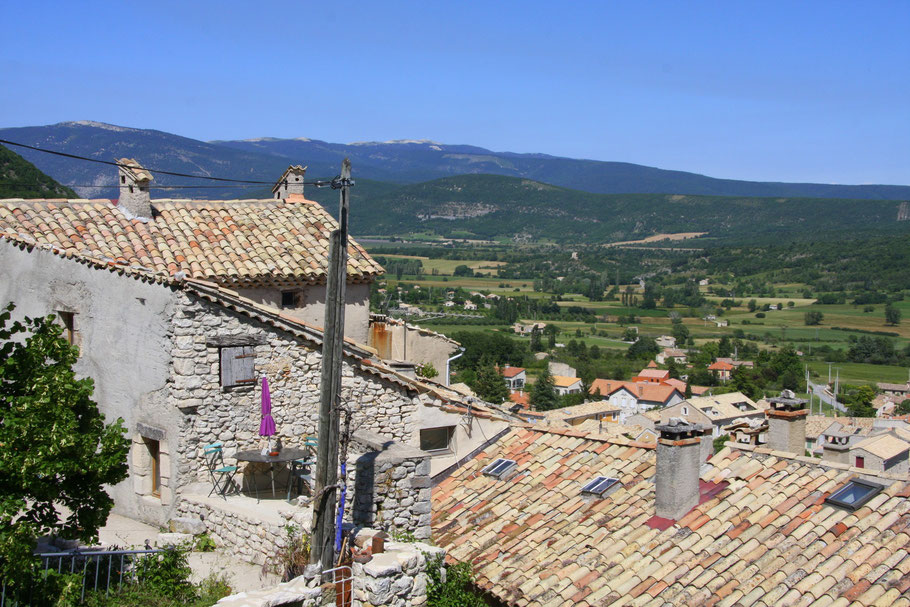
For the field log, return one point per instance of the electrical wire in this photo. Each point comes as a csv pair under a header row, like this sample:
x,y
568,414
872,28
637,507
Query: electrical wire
x,y
335,183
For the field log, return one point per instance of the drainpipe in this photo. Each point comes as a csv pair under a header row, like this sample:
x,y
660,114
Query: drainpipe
x,y
449,365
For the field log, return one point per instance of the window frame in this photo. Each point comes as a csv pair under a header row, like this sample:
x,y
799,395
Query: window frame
x,y
450,440
873,490
589,487
499,468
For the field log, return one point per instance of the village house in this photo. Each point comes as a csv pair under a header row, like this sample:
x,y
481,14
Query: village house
x,y
722,369
716,411
635,397
577,414
896,390
176,307
566,385
666,341
652,375
563,518
514,377
676,355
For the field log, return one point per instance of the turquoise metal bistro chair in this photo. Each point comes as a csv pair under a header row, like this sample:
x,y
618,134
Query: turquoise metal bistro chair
x,y
302,469
220,474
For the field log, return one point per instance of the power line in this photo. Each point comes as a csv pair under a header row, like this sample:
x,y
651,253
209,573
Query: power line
x,y
335,183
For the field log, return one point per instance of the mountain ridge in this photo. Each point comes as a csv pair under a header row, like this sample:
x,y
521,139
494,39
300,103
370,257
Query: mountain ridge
x,y
402,162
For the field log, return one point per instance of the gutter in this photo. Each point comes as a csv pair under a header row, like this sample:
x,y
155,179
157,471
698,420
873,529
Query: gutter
x,y
449,366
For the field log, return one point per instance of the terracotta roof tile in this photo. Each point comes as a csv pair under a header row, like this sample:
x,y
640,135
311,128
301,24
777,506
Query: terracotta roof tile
x,y
234,242
772,542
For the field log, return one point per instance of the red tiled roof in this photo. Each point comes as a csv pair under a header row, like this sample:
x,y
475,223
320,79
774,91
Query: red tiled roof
x,y
654,373
509,372
720,366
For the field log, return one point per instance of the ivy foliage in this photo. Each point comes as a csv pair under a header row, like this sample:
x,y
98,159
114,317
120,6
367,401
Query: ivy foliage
x,y
55,449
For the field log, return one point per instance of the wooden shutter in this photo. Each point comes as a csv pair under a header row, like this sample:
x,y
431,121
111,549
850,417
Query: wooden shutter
x,y
238,366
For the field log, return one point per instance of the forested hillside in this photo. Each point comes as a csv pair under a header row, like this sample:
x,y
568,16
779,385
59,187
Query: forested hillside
x,y
21,179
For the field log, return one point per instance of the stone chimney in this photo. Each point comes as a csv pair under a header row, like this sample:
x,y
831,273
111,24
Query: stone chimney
x,y
678,466
787,423
291,182
134,188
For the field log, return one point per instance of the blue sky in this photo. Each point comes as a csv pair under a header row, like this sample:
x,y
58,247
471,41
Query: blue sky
x,y
782,91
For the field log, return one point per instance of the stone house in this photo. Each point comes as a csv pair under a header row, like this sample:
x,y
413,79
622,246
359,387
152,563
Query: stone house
x,y
179,355
882,453
719,411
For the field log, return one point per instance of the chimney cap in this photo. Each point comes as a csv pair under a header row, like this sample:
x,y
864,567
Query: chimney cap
x,y
134,169
678,428
787,401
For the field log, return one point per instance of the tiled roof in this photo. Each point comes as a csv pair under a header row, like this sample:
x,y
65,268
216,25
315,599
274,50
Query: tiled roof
x,y
654,373
763,534
565,382
642,390
582,410
720,366
884,446
724,404
893,387
509,372
238,243
520,397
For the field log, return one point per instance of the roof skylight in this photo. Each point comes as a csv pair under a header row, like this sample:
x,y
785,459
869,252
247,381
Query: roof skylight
x,y
600,485
499,468
854,494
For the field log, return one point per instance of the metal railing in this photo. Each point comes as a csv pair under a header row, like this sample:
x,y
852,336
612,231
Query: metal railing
x,y
343,579
100,569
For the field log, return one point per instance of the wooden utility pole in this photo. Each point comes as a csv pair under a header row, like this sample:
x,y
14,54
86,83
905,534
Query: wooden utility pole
x,y
326,482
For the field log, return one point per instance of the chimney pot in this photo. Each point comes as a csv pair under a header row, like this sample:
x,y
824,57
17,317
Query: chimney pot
x,y
787,423
678,467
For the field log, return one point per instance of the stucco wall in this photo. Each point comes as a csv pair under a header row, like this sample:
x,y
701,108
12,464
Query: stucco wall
x,y
312,306
124,340
423,346
470,433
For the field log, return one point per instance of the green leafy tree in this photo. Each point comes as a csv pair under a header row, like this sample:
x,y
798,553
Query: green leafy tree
x,y
489,384
455,589
813,317
536,344
892,315
752,305
688,392
645,347
550,331
859,402
904,407
680,332
543,395
55,449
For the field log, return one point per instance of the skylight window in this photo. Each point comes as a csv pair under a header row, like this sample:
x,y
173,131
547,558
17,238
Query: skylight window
x,y
854,494
499,468
600,485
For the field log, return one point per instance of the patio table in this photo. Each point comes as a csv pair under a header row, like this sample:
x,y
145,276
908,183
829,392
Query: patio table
x,y
288,454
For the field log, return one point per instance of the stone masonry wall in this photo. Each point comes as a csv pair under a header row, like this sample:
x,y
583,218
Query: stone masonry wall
x,y
232,415
397,578
247,535
391,486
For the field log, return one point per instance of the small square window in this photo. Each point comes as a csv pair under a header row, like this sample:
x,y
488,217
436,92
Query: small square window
x,y
600,485
289,299
437,439
854,494
499,468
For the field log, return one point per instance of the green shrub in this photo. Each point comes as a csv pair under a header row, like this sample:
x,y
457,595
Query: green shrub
x,y
454,588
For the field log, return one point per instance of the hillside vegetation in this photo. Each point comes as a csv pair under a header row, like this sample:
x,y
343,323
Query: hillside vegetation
x,y
495,207
21,179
